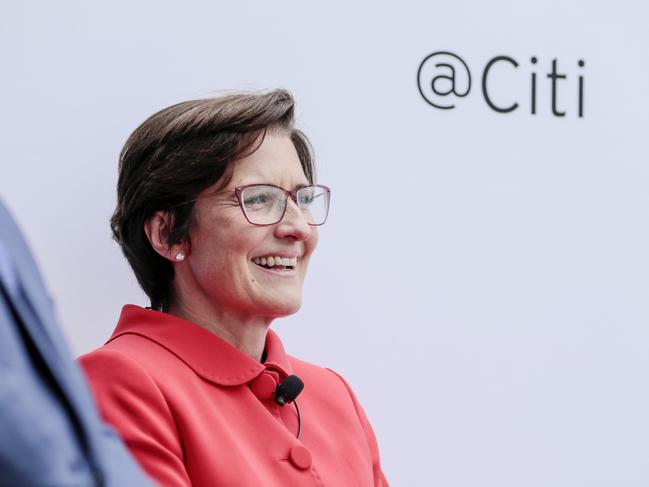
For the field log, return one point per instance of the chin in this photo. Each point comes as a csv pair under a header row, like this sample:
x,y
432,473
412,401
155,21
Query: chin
x,y
283,308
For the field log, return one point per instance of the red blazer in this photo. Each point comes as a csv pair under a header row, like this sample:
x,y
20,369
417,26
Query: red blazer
x,y
196,411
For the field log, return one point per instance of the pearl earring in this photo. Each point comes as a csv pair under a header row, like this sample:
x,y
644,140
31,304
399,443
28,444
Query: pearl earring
x,y
180,256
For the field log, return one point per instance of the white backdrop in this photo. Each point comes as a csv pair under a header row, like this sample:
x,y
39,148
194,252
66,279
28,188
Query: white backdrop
x,y
483,279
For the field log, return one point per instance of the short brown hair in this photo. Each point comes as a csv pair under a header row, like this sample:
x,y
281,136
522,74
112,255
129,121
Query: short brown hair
x,y
179,152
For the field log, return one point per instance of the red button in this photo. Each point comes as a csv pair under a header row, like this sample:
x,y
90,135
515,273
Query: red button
x,y
300,457
263,386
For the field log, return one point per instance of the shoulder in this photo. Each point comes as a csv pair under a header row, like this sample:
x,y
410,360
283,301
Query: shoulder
x,y
133,366
17,264
312,373
318,373
10,231
329,387
326,384
14,250
126,388
113,373
109,361
131,359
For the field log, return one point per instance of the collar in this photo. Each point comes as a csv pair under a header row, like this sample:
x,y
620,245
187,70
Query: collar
x,y
209,356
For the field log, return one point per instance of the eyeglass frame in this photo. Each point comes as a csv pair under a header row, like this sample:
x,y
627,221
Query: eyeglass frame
x,y
292,194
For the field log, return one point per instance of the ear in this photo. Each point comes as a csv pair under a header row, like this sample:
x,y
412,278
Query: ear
x,y
157,231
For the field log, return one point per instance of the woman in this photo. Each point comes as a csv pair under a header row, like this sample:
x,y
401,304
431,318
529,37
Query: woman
x,y
217,214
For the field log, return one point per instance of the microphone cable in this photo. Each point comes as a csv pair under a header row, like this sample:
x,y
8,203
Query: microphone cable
x,y
287,391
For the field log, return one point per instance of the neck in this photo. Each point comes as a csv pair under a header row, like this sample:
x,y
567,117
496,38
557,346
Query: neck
x,y
247,334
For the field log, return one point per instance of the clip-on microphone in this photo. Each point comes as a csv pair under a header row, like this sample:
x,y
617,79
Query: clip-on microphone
x,y
287,391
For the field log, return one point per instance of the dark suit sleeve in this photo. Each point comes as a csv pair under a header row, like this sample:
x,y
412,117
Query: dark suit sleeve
x,y
131,401
36,444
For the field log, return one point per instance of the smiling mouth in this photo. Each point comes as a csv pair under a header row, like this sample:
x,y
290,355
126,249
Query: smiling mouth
x,y
276,263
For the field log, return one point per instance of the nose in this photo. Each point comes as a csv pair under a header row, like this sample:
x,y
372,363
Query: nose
x,y
293,224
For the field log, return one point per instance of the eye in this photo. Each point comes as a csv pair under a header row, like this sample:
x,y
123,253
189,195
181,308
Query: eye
x,y
307,195
258,199
306,199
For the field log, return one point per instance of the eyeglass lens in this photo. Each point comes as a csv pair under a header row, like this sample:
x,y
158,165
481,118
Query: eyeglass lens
x,y
265,205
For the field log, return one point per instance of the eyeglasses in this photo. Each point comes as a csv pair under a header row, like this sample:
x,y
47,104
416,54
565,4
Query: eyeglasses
x,y
265,204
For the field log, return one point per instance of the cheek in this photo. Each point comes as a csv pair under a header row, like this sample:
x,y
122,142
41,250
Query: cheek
x,y
312,243
225,242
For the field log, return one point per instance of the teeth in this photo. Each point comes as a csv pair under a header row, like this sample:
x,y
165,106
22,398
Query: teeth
x,y
272,261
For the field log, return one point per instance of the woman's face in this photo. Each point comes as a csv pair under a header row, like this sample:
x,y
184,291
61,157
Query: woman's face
x,y
224,245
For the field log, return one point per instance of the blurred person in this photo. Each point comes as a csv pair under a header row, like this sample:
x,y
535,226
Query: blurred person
x,y
50,432
218,214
